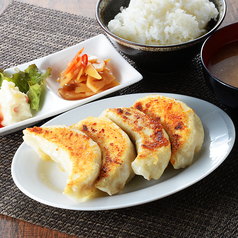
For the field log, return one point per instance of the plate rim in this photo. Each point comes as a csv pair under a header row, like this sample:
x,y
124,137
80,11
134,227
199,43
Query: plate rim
x,y
232,134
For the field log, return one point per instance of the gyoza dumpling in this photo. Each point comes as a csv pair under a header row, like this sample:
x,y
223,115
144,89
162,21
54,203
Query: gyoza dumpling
x,y
152,142
183,126
117,152
73,151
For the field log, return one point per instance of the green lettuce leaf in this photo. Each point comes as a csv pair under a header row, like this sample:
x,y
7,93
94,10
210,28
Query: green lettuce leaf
x,y
20,79
1,77
34,94
29,81
36,75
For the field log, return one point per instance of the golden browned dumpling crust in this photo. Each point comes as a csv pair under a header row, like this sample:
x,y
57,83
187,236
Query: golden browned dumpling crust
x,y
117,152
183,126
152,142
73,151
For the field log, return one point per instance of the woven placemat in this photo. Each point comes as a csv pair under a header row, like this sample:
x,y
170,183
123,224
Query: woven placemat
x,y
206,209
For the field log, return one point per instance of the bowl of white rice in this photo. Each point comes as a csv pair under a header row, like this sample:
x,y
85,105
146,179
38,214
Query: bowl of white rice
x,y
160,35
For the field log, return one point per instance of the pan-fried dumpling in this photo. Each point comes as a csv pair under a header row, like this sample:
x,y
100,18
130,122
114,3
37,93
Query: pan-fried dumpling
x,y
117,152
183,126
152,142
73,151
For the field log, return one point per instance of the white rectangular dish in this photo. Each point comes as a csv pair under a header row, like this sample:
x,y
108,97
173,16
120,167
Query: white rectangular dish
x,y
51,102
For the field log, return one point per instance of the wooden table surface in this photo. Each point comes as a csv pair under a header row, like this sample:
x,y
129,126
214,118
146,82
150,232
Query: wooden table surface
x,y
10,227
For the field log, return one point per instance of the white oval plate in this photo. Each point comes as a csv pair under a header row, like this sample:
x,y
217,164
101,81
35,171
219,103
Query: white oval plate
x,y
44,181
51,102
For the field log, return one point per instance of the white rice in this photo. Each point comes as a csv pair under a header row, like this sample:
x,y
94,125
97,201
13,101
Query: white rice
x,y
163,22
